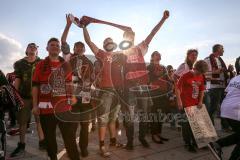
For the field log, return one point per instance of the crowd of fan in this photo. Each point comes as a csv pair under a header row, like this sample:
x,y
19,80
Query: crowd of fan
x,y
72,90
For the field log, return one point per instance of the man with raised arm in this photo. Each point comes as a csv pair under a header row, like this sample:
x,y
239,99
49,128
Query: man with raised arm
x,y
82,69
136,75
135,68
112,67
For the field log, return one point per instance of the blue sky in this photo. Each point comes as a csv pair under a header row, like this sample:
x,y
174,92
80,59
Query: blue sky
x,y
192,24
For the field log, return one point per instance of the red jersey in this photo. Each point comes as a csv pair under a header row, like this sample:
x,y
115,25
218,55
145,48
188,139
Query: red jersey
x,y
136,70
51,78
190,86
111,71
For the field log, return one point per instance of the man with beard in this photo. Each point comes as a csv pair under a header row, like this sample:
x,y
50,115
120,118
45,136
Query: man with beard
x,y
135,72
112,63
216,82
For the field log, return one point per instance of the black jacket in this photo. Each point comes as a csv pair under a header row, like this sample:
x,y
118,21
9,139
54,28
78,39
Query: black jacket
x,y
237,65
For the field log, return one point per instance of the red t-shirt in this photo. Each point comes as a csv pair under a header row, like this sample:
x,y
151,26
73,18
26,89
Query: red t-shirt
x,y
190,86
52,92
111,69
136,70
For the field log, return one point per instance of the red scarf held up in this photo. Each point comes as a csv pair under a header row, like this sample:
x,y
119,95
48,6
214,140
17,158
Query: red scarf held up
x,y
215,66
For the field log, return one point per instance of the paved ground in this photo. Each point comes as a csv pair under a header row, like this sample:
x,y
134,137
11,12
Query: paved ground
x,y
172,150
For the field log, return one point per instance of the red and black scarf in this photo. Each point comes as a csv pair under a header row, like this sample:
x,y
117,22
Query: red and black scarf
x,y
215,66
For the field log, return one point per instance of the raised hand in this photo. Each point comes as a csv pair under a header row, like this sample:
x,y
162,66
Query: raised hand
x,y
68,19
71,19
76,21
156,28
85,21
166,14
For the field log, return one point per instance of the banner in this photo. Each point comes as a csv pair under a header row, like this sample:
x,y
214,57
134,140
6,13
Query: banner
x,y
201,125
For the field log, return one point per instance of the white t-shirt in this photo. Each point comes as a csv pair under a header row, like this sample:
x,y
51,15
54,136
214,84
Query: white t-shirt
x,y
230,107
182,69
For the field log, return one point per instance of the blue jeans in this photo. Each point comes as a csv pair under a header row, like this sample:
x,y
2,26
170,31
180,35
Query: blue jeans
x,y
216,96
136,106
207,102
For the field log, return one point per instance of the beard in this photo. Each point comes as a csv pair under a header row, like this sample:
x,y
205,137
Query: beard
x,y
32,54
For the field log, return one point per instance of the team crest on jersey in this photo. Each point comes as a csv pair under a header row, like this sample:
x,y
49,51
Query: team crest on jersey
x,y
109,59
57,81
195,92
45,88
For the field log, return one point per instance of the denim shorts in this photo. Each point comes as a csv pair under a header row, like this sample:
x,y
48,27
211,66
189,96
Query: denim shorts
x,y
108,108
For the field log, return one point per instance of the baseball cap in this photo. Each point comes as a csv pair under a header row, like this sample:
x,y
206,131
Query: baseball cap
x,y
32,44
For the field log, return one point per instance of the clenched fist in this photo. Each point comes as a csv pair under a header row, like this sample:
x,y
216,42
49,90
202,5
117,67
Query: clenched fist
x,y
85,21
166,14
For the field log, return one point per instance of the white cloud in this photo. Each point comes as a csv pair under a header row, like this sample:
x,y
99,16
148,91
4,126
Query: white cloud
x,y
10,51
